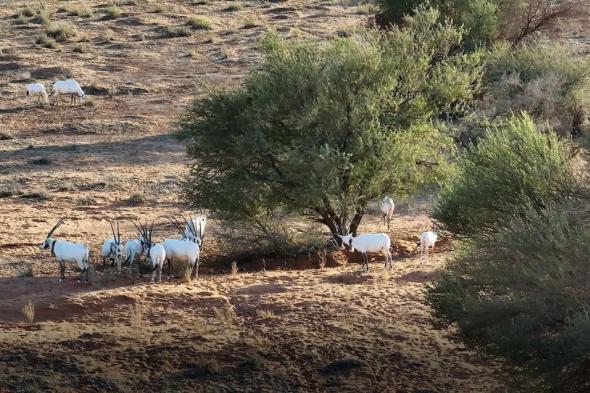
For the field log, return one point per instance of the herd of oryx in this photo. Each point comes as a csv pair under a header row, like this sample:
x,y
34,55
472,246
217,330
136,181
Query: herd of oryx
x,y
68,87
187,248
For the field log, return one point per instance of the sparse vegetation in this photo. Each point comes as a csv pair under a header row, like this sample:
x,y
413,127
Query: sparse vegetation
x,y
113,12
41,161
80,48
175,31
86,201
136,200
199,23
250,22
40,194
46,42
27,11
233,7
25,270
22,19
60,31
42,17
28,311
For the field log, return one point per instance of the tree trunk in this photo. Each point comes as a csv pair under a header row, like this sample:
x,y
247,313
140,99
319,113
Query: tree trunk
x,y
356,221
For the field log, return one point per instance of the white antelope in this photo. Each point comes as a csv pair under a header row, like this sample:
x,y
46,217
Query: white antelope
x,y
369,243
37,90
134,248
387,207
112,249
156,254
185,250
427,241
68,87
65,251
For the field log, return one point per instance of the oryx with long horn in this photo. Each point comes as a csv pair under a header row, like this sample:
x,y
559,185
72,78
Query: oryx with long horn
x,y
184,250
112,249
65,251
156,254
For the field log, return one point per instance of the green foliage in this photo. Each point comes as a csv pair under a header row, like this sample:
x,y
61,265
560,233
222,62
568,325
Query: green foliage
x,y
522,291
514,167
485,21
542,78
323,128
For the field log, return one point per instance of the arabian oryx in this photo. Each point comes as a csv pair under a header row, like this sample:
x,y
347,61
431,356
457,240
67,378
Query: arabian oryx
x,y
65,251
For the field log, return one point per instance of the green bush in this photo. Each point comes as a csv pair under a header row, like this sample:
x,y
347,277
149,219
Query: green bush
x,y
322,128
514,166
484,20
544,79
523,293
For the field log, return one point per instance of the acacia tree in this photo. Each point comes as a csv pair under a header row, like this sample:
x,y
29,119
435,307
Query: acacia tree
x,y
321,128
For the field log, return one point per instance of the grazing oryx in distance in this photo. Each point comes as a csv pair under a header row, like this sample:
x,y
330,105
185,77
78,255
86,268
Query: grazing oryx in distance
x,y
387,207
65,251
369,243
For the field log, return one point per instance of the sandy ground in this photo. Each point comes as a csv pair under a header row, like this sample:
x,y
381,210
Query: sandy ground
x,y
288,330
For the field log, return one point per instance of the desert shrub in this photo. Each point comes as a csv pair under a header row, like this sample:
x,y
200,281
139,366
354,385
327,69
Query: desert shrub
x,y
514,166
543,78
322,128
113,12
46,42
27,11
199,23
83,11
61,31
41,161
136,200
250,22
40,194
21,19
80,48
522,292
233,7
484,20
175,31
42,17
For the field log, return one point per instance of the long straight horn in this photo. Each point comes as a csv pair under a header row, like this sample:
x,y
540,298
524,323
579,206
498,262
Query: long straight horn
x,y
118,233
139,229
191,225
113,230
176,224
61,221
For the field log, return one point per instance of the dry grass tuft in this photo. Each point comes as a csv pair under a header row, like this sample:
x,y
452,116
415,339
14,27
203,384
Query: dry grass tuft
x,y
61,31
175,31
113,12
25,270
46,42
199,23
28,311
265,314
251,22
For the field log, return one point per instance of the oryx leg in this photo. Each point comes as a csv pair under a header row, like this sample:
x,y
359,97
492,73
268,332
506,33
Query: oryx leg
x,y
62,269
